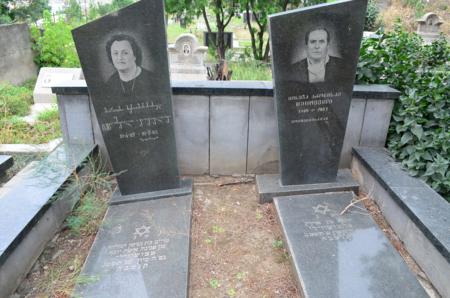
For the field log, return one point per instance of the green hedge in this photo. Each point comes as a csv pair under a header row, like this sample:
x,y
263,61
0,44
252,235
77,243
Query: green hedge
x,y
419,134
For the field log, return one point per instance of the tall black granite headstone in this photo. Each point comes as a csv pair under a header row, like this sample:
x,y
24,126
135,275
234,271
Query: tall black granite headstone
x,y
315,52
124,61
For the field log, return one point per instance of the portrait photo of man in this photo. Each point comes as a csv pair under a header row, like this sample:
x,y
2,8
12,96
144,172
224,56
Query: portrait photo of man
x,y
318,66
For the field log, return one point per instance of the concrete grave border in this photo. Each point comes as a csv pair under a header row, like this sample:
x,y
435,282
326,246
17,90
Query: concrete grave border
x,y
229,127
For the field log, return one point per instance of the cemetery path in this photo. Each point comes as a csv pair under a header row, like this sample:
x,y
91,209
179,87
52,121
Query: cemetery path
x,y
236,251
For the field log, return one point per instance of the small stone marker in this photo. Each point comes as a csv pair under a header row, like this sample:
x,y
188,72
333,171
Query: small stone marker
x,y
186,59
140,251
6,161
345,255
124,61
428,27
50,76
315,52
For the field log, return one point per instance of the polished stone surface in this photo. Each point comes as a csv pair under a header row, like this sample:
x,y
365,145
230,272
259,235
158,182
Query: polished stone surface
x,y
426,208
6,161
26,195
247,88
135,115
141,250
342,255
184,189
312,112
228,134
263,149
269,186
191,114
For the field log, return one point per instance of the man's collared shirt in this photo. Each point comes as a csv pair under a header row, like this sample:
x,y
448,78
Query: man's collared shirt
x,y
316,71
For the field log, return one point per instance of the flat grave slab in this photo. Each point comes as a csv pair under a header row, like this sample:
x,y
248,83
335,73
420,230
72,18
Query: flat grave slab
x,y
341,255
184,189
6,161
269,186
141,250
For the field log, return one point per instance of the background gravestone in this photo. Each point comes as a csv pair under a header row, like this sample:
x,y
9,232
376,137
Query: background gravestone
x,y
186,59
428,27
312,113
135,115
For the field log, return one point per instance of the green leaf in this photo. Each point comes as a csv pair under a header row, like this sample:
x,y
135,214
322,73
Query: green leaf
x,y
406,138
417,130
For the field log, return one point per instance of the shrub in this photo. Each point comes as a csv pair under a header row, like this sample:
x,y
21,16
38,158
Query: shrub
x,y
15,100
372,12
419,134
54,45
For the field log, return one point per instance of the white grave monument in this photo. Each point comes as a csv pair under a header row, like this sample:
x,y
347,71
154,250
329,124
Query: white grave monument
x,y
50,76
428,27
187,59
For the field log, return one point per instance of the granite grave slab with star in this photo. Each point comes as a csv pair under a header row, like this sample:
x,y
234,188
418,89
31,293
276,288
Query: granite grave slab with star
x,y
339,251
141,250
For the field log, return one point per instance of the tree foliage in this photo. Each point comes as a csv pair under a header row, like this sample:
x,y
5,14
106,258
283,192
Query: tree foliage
x,y
54,45
25,10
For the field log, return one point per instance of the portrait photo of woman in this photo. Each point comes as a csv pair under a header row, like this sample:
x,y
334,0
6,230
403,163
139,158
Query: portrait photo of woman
x,y
129,78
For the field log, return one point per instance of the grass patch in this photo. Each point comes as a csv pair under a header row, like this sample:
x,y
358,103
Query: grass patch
x,y
15,100
251,71
14,130
87,216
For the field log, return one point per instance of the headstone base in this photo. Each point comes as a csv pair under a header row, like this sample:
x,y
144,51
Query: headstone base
x,y
6,161
269,186
344,255
141,250
186,188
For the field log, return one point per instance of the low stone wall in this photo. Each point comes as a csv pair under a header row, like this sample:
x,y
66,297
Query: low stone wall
x,y
225,128
418,215
16,55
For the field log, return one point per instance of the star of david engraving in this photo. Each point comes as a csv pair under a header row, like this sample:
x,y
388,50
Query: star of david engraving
x,y
321,209
141,231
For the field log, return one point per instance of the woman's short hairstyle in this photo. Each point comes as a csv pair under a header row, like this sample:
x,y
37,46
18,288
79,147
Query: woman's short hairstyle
x,y
134,46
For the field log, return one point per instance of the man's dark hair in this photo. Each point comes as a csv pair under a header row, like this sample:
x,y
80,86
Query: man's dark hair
x,y
315,29
134,46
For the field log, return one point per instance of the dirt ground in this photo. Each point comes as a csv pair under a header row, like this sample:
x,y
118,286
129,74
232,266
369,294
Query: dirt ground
x,y
236,251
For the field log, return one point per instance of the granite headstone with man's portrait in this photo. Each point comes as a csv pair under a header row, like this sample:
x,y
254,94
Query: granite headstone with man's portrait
x,y
124,60
315,52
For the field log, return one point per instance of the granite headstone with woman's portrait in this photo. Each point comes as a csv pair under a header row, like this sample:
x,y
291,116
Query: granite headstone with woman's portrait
x,y
124,61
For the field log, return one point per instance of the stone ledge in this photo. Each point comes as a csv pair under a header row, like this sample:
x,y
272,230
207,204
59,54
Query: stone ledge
x,y
427,209
232,88
269,186
33,205
25,197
